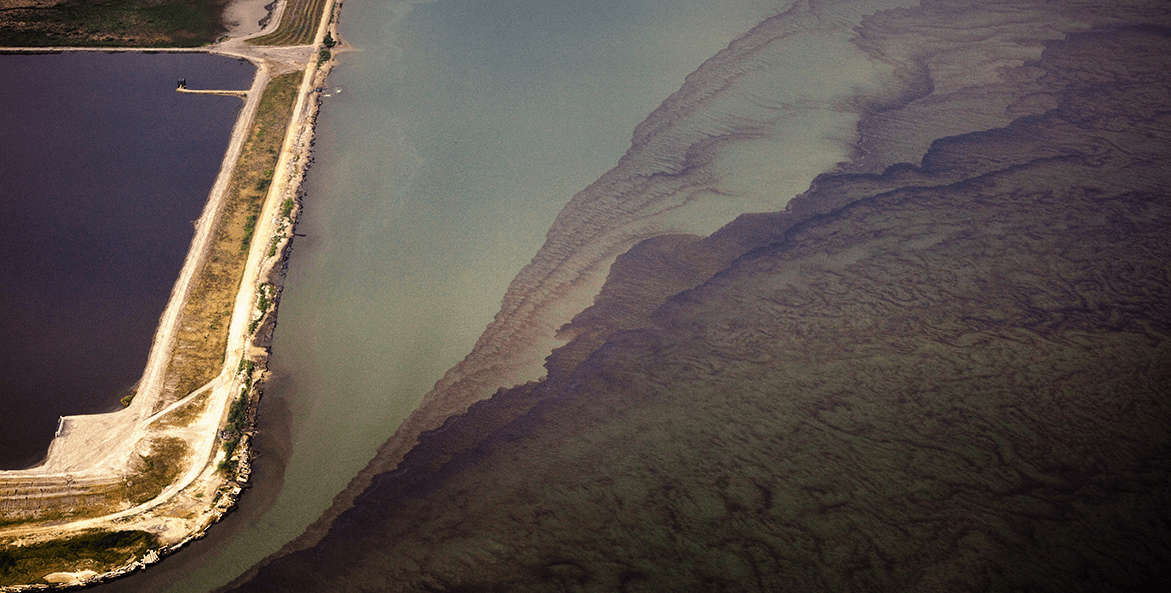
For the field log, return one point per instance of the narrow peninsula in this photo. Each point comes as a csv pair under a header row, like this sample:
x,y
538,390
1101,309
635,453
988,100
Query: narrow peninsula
x,y
118,491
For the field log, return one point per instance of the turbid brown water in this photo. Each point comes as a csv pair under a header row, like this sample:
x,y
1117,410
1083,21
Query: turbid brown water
x,y
677,475
944,376
421,206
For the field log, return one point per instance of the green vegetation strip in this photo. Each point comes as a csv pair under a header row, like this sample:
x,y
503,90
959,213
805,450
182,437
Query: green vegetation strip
x,y
203,327
238,420
124,23
298,25
94,550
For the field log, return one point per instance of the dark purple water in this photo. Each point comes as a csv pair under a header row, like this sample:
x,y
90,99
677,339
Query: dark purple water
x,y
103,168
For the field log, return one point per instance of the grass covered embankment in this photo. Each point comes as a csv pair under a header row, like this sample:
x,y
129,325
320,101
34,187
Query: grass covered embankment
x,y
124,23
203,327
94,550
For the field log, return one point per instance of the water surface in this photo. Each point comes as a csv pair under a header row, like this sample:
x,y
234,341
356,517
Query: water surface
x,y
103,168
460,131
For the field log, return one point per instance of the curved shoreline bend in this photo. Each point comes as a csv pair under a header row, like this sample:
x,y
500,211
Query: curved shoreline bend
x,y
95,452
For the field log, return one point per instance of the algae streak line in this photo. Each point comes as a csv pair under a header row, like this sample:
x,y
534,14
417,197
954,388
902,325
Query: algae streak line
x,y
96,459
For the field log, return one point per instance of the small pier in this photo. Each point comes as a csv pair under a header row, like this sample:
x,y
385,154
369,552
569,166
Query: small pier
x,y
182,88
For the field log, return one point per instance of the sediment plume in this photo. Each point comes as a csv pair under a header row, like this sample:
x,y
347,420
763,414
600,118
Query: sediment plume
x,y
882,383
957,382
680,175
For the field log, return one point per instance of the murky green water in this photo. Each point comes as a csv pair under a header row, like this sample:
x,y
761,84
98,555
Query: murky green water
x,y
460,130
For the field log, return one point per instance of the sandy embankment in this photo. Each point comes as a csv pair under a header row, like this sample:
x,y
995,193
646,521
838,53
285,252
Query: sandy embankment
x,y
100,447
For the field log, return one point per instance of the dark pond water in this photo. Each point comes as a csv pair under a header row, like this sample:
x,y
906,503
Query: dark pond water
x,y
103,168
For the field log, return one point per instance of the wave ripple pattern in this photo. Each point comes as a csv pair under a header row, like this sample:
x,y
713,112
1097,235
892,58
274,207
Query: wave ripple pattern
x,y
876,301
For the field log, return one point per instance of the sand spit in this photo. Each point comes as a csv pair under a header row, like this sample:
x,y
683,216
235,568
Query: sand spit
x,y
94,456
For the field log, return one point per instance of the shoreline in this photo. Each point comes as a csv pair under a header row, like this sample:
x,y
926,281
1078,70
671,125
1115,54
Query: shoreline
x,y
181,513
